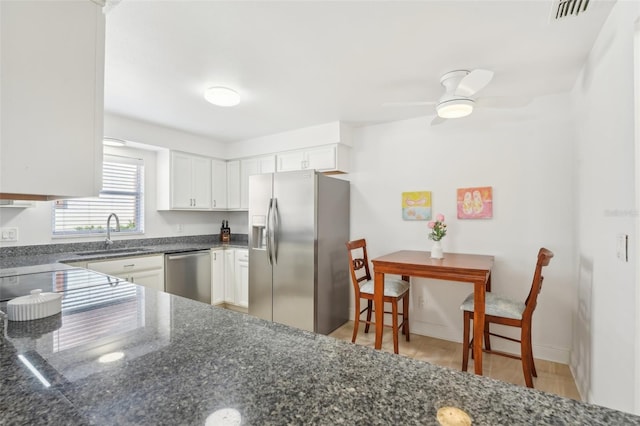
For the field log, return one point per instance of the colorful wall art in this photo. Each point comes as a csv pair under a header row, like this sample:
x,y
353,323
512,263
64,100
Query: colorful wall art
x,y
416,205
475,203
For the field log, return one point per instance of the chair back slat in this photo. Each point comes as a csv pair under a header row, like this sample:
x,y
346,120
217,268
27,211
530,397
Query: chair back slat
x,y
544,258
358,263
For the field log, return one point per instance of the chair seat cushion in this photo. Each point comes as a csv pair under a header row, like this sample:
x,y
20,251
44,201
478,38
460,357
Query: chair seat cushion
x,y
497,306
392,287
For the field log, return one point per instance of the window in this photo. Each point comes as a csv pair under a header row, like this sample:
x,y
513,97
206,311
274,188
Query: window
x,y
122,194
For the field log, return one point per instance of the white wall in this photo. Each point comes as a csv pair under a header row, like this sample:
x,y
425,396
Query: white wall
x,y
526,156
116,126
605,358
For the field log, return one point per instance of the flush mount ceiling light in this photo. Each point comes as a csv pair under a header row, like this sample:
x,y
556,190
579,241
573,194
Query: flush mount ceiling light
x,y
222,96
455,108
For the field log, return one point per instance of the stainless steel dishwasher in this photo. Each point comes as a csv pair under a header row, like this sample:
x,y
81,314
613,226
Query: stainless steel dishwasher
x,y
188,274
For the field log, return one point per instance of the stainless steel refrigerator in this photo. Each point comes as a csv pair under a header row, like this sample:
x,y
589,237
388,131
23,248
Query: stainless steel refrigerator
x,y
298,263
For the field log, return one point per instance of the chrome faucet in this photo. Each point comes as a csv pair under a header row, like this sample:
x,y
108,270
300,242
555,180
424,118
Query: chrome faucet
x,y
108,241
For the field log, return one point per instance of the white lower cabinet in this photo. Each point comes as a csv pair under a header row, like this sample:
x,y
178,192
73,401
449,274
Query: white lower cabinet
x,y
153,278
217,276
147,271
242,278
230,277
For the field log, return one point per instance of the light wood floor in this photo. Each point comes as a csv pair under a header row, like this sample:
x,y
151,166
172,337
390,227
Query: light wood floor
x,y
552,377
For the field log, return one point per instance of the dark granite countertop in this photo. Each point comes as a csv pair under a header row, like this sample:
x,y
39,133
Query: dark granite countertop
x,y
183,360
15,257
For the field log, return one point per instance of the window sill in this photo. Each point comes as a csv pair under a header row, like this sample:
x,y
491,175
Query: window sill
x,y
114,235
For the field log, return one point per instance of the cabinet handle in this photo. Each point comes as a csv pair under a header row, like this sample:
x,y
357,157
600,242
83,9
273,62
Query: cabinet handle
x,y
214,203
215,256
129,266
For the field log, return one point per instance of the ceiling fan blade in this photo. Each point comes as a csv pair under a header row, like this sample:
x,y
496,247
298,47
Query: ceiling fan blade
x,y
473,82
437,120
409,103
503,101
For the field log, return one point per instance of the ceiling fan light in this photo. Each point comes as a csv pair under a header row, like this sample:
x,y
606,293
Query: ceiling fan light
x,y
455,108
222,96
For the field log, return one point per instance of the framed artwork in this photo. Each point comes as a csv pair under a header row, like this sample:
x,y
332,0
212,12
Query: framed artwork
x,y
416,205
475,203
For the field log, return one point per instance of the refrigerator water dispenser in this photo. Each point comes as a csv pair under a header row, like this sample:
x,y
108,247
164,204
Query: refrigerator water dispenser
x,y
259,233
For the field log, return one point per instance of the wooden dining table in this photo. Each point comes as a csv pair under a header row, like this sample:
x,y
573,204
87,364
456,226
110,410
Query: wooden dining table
x,y
470,268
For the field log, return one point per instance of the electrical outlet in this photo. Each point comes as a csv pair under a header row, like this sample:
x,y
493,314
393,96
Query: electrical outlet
x,y
9,234
179,228
622,247
421,302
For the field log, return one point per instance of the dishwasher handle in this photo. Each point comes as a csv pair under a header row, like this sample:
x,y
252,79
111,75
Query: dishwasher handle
x,y
189,254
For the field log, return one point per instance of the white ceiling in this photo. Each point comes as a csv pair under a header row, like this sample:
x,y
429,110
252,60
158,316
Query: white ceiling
x,y
302,63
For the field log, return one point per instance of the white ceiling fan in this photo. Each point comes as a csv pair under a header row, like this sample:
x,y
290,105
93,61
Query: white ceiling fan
x,y
459,99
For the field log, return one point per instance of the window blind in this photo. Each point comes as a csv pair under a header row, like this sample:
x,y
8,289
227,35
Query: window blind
x,y
122,193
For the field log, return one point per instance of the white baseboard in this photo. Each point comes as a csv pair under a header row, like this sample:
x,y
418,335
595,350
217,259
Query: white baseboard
x,y
546,352
438,331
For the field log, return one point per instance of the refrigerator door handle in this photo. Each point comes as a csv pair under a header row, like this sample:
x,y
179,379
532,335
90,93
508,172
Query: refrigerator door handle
x,y
276,229
269,232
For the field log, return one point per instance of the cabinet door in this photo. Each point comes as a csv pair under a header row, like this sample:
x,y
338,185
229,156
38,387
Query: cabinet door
x,y
248,167
181,178
147,270
218,184
267,164
288,161
217,277
201,183
52,85
233,184
323,158
152,279
229,277
242,278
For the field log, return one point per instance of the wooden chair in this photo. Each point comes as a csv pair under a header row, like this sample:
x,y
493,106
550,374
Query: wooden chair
x,y
504,311
394,291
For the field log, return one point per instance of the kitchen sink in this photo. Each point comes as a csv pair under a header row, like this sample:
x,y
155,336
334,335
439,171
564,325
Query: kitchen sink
x,y
131,250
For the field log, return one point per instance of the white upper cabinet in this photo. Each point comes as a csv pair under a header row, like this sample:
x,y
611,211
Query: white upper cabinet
x,y
233,184
201,182
253,166
184,181
292,160
328,158
52,97
219,184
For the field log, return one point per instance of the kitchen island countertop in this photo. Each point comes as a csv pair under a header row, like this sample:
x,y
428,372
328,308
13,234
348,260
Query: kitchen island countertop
x,y
183,361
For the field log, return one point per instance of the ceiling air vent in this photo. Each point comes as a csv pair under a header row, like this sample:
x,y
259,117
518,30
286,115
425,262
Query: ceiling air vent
x,y
564,8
